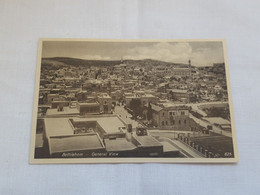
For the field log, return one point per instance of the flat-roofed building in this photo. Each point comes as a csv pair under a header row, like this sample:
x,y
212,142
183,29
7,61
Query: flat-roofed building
x,y
106,127
75,146
120,147
62,111
78,137
148,98
179,95
88,108
147,145
105,102
62,131
219,122
169,116
181,72
59,103
144,98
51,97
170,150
58,127
110,127
61,139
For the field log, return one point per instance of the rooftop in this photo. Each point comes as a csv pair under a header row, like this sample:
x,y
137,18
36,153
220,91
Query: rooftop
x,y
65,111
109,124
175,106
118,144
178,91
148,95
74,143
147,141
58,127
180,68
167,147
88,103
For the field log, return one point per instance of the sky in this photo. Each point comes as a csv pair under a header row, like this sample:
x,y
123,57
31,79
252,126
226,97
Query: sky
x,y
201,53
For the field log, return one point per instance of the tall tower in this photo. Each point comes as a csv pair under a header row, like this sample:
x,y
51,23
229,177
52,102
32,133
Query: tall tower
x,y
190,67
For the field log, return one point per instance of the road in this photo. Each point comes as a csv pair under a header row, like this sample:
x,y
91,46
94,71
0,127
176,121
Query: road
x,y
125,116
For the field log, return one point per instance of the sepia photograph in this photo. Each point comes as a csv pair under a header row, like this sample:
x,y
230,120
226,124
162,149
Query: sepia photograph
x,y
132,101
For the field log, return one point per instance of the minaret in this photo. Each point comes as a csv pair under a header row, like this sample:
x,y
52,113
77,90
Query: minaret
x,y
190,66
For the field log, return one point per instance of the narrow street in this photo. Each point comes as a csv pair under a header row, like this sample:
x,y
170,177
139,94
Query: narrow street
x,y
125,116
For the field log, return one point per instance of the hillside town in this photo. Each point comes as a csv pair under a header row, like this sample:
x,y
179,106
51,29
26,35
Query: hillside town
x,y
132,108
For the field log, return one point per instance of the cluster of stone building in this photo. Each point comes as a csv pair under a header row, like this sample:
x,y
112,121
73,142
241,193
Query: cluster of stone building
x,y
177,83
65,136
97,90
77,105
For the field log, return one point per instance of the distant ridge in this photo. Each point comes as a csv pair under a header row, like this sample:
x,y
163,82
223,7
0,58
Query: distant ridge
x,y
88,63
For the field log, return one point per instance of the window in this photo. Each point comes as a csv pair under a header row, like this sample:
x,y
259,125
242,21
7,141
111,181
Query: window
x,y
182,113
179,121
185,121
162,123
163,113
166,122
170,113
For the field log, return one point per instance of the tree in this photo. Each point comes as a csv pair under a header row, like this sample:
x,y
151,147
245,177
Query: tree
x,y
135,105
149,112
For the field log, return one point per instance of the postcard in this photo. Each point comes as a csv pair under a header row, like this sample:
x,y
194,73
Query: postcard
x,y
132,101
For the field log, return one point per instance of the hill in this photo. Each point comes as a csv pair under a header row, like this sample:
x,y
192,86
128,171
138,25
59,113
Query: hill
x,y
88,63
